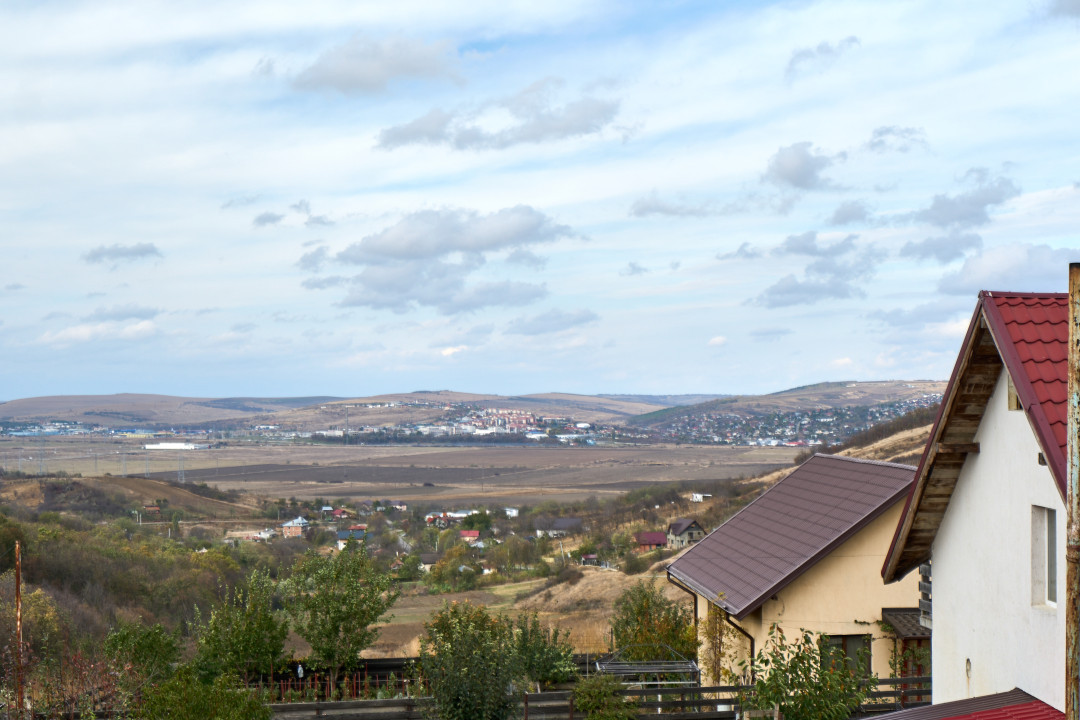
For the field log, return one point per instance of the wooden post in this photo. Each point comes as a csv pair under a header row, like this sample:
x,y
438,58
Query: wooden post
x,y
1072,547
20,705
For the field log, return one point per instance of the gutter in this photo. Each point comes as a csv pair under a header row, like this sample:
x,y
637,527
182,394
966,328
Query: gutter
x,y
748,636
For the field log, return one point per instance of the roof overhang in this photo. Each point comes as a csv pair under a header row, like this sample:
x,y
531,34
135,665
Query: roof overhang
x,y
987,348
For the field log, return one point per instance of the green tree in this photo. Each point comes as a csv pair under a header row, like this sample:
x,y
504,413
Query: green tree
x,y
185,698
808,678
645,621
411,568
469,660
146,653
243,635
477,521
333,601
545,653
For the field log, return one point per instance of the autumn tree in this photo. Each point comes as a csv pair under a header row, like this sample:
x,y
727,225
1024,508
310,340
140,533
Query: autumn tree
x,y
645,623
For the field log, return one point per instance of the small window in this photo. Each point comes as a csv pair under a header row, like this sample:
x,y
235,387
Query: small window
x,y
1044,572
856,649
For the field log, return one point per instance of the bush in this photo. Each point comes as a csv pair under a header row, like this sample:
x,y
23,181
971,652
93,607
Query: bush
x,y
809,679
469,660
545,653
597,697
185,698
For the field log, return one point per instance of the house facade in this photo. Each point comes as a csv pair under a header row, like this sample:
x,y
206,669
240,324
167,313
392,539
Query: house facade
x,y
987,510
684,532
806,554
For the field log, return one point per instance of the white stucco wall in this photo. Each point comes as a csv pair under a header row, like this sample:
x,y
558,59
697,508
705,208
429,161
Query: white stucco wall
x,y
982,575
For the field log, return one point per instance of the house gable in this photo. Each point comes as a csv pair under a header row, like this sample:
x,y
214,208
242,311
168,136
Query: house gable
x,y
788,529
1025,333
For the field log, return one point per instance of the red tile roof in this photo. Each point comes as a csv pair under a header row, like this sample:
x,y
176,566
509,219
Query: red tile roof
x,y
1012,705
789,528
651,538
1032,335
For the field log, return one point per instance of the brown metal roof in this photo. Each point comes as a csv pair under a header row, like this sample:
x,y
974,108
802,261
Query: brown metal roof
x,y
905,623
1026,333
1012,705
788,528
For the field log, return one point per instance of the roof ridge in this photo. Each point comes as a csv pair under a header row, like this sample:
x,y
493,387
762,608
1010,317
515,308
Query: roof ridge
x,y
868,461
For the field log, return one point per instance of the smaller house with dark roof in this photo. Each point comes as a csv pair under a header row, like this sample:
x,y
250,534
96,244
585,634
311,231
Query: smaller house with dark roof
x,y
649,541
683,533
806,554
344,536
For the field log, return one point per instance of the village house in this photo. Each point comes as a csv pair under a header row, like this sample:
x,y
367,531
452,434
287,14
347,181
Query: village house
x,y
683,533
558,527
806,554
648,541
294,527
985,519
344,536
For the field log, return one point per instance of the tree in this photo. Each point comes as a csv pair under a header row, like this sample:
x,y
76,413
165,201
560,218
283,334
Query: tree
x,y
146,653
545,653
477,521
469,660
808,678
412,568
243,635
645,621
333,600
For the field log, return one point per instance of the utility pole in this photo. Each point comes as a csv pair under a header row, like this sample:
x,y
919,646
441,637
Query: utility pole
x,y
346,424
18,631
1072,542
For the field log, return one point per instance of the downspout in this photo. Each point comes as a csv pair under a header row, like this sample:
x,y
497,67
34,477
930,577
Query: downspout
x,y
1072,502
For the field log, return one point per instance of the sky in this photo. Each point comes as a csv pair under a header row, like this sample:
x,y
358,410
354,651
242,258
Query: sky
x,y
348,198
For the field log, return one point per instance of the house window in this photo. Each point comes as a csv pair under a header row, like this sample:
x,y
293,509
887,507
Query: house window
x,y
1044,571
856,650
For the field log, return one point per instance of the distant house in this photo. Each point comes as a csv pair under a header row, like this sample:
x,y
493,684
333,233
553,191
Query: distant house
x,y
470,536
648,541
806,554
684,532
984,523
429,560
151,510
294,527
558,527
345,536
590,559
341,514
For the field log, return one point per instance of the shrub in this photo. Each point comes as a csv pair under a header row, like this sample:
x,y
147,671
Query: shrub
x,y
469,660
545,653
808,678
597,696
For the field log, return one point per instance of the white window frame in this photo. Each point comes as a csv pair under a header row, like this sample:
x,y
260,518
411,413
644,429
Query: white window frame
x,y
1044,560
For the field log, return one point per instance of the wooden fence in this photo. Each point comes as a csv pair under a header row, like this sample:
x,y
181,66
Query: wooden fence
x,y
684,703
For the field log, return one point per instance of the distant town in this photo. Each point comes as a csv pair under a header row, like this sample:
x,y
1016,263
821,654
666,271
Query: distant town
x,y
468,423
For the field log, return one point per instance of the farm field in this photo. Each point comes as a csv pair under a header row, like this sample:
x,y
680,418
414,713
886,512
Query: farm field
x,y
513,475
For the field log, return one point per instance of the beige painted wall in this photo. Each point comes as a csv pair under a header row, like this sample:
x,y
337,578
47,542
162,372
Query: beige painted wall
x,y
843,594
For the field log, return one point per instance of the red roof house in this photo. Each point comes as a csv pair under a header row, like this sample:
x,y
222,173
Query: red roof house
x,y
647,541
985,519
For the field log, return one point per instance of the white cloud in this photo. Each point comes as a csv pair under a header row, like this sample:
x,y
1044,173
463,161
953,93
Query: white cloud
x,y
1018,267
717,341
93,332
367,64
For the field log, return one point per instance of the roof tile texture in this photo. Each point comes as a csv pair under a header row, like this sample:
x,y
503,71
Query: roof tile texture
x,y
1038,326
1012,705
787,529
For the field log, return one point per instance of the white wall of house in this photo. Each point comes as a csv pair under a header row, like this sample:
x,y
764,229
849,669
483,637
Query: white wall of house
x,y
990,633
